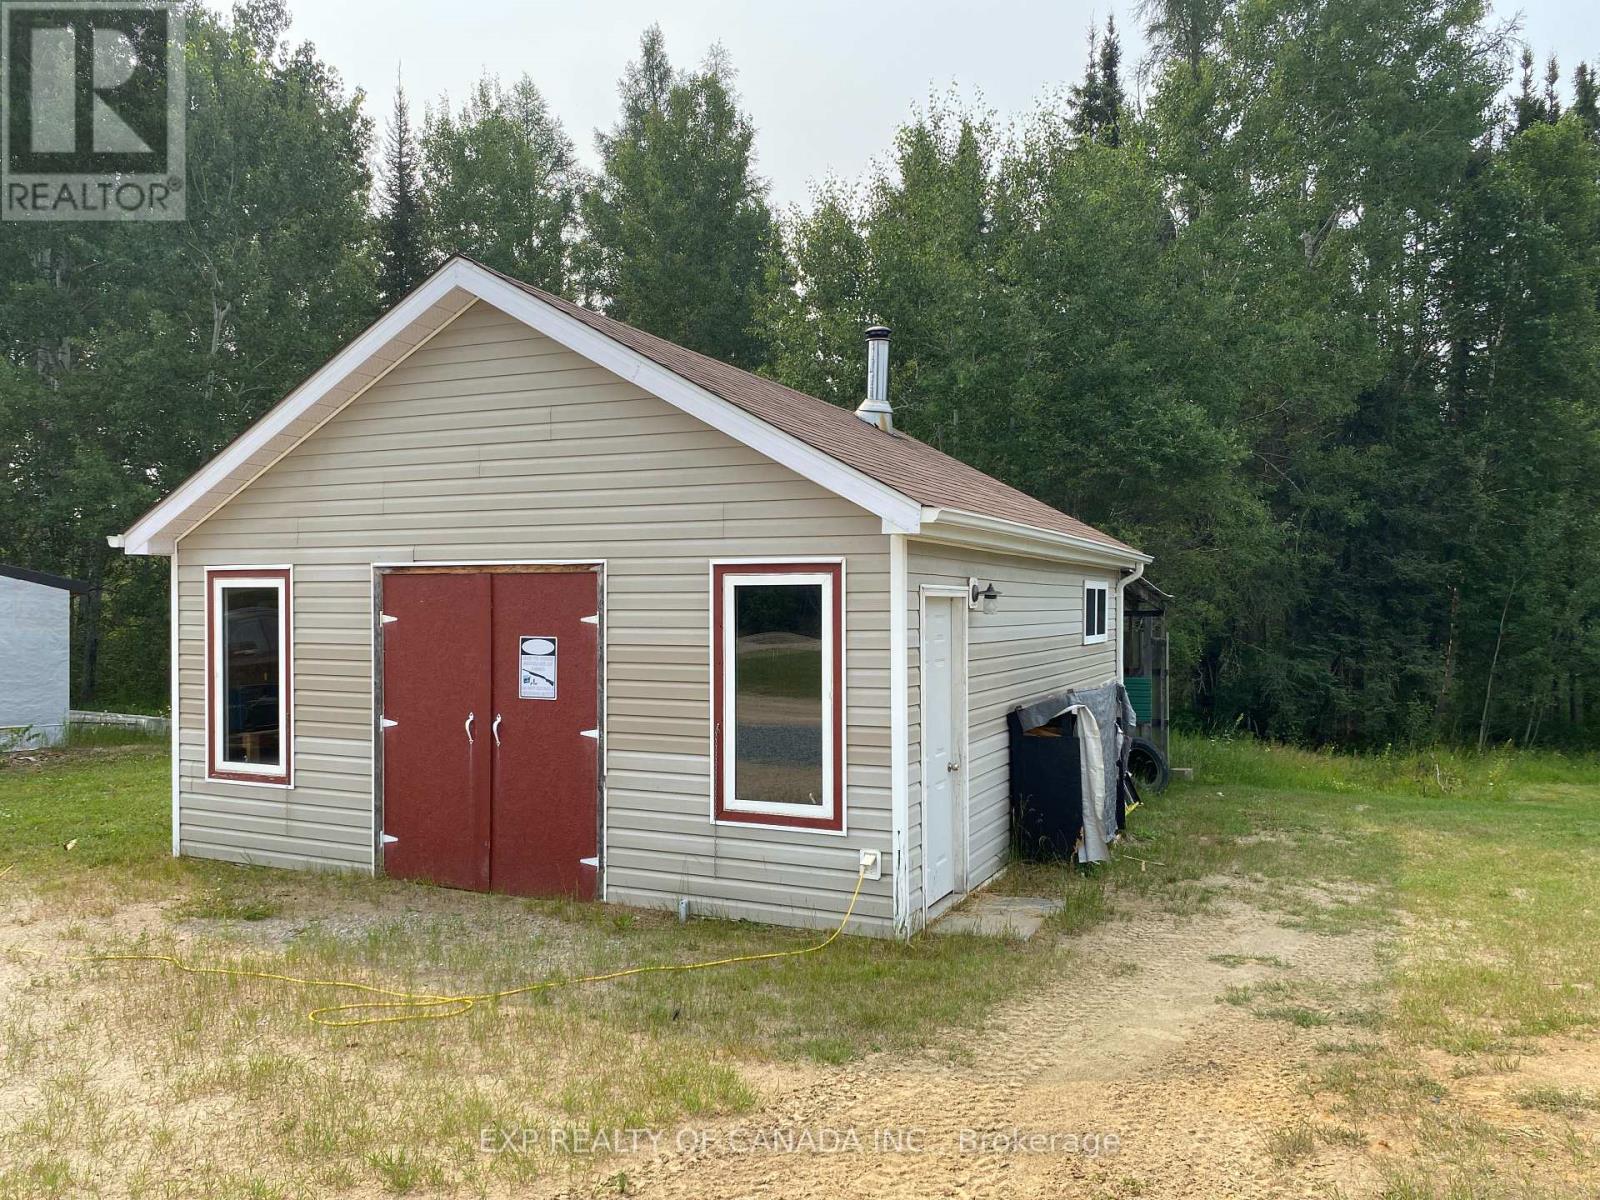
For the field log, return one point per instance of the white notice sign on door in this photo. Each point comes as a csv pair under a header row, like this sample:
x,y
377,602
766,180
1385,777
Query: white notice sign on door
x,y
536,668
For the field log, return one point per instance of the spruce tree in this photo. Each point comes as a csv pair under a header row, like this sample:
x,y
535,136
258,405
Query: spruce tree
x,y
1586,98
1096,105
1530,107
1552,95
1113,100
1083,100
402,253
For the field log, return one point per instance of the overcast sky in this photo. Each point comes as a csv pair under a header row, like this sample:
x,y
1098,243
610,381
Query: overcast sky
x,y
826,81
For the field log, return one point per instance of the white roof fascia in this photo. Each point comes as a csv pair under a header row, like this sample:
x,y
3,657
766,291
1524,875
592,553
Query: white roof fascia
x,y
899,512
977,532
154,533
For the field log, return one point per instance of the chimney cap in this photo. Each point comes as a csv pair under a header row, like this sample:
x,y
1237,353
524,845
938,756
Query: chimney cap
x,y
877,333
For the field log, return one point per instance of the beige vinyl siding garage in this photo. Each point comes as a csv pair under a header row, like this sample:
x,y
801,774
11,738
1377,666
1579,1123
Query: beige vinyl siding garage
x,y
492,442
1031,645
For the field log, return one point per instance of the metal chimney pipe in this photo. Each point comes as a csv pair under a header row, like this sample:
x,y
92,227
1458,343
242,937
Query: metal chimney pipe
x,y
875,409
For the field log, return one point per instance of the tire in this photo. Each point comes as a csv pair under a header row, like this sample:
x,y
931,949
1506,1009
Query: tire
x,y
1148,766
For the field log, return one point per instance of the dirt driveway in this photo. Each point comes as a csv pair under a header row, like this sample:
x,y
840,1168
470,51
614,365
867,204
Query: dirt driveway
x,y
1328,997
1124,1073
1127,1075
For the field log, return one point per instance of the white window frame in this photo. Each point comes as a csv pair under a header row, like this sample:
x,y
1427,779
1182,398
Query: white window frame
x,y
818,819
220,580
1090,587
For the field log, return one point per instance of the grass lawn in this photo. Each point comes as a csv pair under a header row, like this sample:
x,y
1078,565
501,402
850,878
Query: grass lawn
x,y
1480,874
1476,875
398,1106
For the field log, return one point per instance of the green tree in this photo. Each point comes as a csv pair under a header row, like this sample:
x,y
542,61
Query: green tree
x,y
1531,106
679,238
1315,151
1129,371
1183,32
819,312
1098,104
933,242
1586,98
1529,418
130,353
403,259
501,183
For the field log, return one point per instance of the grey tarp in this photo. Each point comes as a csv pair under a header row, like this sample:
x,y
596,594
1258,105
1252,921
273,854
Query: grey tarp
x,y
1044,710
1110,708
1112,711
1092,845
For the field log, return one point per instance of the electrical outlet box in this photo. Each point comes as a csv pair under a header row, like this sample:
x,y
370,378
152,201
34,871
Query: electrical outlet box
x,y
871,864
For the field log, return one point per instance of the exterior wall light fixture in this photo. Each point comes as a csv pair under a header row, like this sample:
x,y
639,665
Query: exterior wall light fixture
x,y
983,595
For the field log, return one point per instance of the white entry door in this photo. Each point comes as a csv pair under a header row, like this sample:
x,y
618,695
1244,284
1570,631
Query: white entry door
x,y
942,743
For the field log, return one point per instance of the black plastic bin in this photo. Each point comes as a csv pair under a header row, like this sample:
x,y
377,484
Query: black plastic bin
x,y
1046,787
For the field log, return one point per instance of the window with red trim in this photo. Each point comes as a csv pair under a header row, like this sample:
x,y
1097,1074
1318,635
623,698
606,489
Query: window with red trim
x,y
248,709
778,693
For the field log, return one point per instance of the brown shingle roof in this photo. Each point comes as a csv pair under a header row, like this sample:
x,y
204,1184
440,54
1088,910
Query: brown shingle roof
x,y
897,460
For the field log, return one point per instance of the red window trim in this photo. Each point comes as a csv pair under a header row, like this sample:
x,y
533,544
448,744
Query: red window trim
x,y
213,680
719,573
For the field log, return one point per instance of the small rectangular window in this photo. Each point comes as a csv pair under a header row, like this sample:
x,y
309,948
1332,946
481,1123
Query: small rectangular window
x,y
778,693
1094,612
247,675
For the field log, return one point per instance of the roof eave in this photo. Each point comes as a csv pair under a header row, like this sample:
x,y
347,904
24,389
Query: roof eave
x,y
159,530
899,512
974,531
248,455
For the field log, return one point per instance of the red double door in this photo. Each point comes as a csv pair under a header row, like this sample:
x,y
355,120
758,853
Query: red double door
x,y
490,729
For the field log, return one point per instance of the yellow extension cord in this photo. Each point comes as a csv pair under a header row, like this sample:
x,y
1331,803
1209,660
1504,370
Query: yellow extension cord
x,y
425,1006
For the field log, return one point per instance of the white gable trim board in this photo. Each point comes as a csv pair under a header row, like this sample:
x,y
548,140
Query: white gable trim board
x,y
388,342
449,291
443,297
315,487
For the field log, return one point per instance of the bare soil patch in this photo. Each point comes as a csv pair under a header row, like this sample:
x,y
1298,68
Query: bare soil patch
x,y
1166,1054
1124,1076
1269,995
